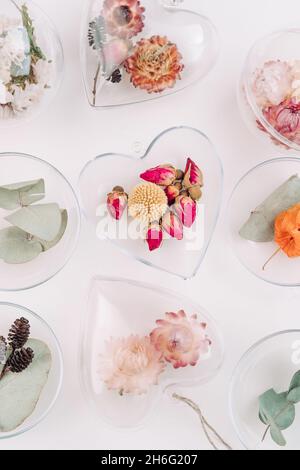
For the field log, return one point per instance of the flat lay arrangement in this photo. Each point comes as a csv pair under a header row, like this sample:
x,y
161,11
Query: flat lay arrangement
x,y
157,254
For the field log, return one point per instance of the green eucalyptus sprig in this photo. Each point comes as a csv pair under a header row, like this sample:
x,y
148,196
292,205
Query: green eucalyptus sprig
x,y
278,411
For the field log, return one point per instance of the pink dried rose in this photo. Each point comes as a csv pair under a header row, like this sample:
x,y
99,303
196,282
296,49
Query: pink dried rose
x,y
123,18
193,176
181,340
172,225
117,202
162,175
285,119
186,209
154,236
272,83
172,193
131,365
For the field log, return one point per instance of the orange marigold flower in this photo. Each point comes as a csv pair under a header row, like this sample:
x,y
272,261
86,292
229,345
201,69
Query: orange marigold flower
x,y
287,231
155,64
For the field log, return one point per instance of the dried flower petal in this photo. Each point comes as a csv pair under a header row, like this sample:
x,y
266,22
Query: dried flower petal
x,y
154,236
154,65
186,209
272,83
163,175
285,119
193,175
131,365
123,18
182,341
287,231
172,225
117,202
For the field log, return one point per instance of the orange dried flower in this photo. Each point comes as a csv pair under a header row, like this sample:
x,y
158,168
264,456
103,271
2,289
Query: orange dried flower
x,y
155,64
287,231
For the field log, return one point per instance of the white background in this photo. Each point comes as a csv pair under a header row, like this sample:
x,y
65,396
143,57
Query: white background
x,y
68,135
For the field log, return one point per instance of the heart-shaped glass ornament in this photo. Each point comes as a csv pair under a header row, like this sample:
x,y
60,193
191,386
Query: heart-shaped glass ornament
x,y
31,61
173,146
126,329
137,50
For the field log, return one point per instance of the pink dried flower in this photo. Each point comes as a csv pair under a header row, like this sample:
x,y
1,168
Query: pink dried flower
x,y
154,236
117,202
186,209
285,119
162,175
172,193
131,365
272,83
115,52
182,341
172,225
123,18
193,175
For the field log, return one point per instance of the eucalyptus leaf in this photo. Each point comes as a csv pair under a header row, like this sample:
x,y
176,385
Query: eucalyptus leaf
x,y
277,436
260,225
64,222
42,221
20,393
277,409
295,383
294,395
17,195
16,247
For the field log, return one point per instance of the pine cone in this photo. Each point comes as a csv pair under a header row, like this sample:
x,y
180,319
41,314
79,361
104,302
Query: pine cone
x,y
20,360
19,333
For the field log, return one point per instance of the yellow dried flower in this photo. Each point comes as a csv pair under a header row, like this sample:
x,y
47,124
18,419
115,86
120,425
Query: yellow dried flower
x,y
147,202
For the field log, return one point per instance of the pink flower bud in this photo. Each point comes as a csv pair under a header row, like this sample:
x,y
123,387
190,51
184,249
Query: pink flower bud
x,y
172,193
154,236
162,175
172,225
117,202
186,209
193,175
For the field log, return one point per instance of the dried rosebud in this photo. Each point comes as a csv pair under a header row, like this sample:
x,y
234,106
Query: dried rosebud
x,y
172,193
178,185
117,202
186,209
154,236
195,193
179,175
193,175
162,175
172,225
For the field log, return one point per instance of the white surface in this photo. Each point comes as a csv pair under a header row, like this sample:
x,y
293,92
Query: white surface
x,y
70,134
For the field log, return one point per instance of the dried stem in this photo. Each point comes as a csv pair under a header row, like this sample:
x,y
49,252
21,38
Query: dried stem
x,y
270,259
205,425
96,83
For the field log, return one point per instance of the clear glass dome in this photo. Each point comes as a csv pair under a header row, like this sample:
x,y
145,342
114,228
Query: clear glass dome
x,y
179,257
39,330
137,50
31,61
119,308
269,89
269,364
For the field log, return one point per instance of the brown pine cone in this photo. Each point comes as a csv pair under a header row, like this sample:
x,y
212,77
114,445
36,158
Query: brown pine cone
x,y
19,333
20,360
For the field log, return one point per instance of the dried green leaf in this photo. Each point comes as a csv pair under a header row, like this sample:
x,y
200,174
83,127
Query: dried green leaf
x,y
64,222
42,221
35,50
278,411
20,393
260,225
295,383
294,395
13,196
16,247
277,436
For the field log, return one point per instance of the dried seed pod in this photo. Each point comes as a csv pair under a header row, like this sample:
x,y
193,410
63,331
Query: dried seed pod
x,y
19,333
20,360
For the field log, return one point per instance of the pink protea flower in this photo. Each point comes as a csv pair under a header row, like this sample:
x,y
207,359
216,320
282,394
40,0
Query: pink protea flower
x,y
123,18
285,119
131,365
272,83
154,236
162,175
186,209
172,225
181,341
193,176
117,202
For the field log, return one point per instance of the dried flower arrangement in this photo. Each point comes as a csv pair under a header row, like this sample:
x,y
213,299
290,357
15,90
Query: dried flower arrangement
x,y
152,64
277,219
25,71
35,228
277,410
276,87
24,368
165,202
